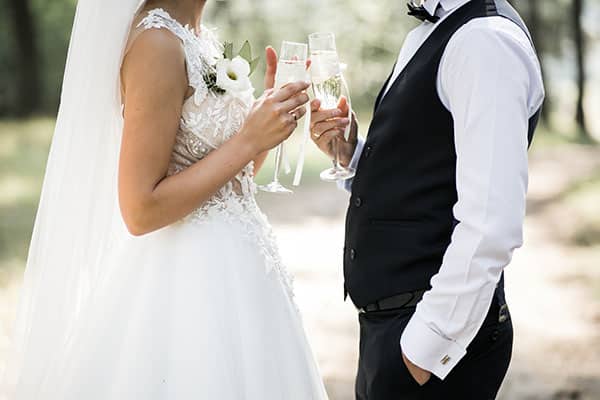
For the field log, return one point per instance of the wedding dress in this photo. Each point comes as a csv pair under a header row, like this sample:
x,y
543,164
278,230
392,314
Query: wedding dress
x,y
203,308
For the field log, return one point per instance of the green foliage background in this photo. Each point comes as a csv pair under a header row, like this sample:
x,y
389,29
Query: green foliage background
x,y
53,21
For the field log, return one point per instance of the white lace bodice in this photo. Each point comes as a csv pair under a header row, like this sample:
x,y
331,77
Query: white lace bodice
x,y
208,120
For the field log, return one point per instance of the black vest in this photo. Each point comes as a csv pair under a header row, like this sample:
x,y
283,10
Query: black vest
x,y
400,218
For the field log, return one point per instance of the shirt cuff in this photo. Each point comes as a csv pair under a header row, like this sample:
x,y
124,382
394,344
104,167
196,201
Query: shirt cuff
x,y
347,183
429,350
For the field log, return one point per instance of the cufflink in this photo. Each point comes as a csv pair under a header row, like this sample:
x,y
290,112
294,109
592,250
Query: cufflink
x,y
445,360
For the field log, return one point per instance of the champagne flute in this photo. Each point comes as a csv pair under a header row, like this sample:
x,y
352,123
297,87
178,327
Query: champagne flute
x,y
290,68
329,86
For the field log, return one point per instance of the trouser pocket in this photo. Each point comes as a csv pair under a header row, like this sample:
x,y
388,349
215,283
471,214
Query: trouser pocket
x,y
382,372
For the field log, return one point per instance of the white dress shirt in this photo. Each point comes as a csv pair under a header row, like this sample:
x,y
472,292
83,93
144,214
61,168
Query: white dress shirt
x,y
489,79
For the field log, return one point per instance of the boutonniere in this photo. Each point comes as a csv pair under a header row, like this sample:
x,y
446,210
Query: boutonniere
x,y
231,73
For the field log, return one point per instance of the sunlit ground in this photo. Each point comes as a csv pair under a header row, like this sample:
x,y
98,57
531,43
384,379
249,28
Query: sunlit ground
x,y
553,283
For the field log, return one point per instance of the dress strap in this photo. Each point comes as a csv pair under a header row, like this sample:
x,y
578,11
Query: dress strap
x,y
160,19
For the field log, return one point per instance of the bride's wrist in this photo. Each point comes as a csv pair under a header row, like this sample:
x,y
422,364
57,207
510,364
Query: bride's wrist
x,y
246,146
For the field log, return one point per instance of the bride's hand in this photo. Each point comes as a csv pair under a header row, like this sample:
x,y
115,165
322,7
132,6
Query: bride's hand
x,y
274,116
271,62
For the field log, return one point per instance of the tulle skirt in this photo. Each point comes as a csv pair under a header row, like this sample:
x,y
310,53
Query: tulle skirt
x,y
192,311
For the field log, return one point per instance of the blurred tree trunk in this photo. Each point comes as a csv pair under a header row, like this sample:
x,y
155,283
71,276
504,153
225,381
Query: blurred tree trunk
x,y
579,41
27,56
536,28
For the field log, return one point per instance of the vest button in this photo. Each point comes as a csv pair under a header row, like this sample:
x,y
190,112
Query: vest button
x,y
368,151
352,254
358,202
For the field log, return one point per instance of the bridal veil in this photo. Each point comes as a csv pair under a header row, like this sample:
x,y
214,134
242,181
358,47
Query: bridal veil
x,y
78,218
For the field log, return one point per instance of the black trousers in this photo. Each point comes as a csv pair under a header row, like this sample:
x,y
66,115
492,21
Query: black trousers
x,y
382,374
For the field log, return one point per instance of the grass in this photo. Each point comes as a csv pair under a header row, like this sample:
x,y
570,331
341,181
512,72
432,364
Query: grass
x,y
584,197
24,149
546,137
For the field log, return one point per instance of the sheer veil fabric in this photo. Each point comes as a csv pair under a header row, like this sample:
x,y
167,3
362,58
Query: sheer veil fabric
x,y
78,219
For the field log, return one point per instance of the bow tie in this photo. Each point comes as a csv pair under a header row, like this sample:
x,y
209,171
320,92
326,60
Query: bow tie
x,y
421,13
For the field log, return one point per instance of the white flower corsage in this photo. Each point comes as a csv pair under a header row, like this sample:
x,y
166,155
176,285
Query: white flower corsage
x,y
232,74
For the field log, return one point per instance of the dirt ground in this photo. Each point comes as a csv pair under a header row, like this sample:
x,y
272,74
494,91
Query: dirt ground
x,y
553,283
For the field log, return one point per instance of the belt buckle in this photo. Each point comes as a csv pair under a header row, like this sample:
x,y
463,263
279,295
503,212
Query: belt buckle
x,y
367,309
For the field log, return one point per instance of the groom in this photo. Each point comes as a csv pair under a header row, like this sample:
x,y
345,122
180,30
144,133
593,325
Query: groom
x,y
438,202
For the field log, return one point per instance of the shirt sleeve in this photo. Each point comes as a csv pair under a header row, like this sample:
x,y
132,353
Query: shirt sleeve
x,y
490,81
346,184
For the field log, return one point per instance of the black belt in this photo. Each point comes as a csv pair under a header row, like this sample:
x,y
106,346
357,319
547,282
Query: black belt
x,y
402,300
410,299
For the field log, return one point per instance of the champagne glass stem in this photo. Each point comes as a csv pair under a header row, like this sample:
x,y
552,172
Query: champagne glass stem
x,y
336,153
277,162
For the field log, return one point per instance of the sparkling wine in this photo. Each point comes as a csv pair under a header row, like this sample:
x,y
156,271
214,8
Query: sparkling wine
x,y
326,77
324,64
290,71
329,91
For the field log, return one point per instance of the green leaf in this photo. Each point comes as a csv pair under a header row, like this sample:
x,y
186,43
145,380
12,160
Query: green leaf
x,y
253,64
228,50
246,52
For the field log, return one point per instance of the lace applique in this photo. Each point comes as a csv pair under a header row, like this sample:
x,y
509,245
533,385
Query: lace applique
x,y
256,229
207,121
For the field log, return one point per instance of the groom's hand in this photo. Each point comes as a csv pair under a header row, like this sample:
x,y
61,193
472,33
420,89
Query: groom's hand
x,y
419,374
327,125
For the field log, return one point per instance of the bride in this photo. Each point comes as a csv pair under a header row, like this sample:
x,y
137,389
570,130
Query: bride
x,y
152,274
